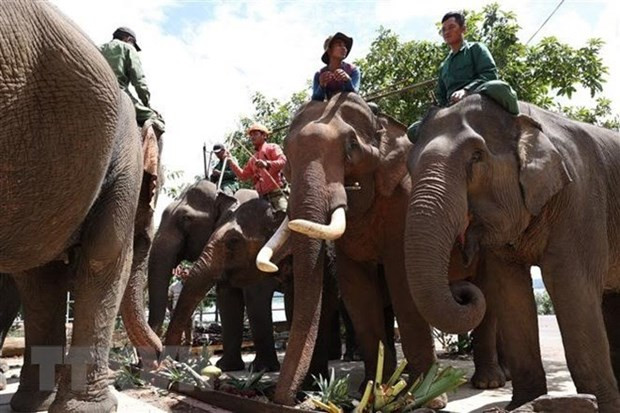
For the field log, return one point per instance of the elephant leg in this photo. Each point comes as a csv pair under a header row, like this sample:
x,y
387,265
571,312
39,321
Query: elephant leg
x,y
334,337
9,305
611,314
258,298
577,301
231,306
488,373
103,268
361,291
351,348
518,324
44,295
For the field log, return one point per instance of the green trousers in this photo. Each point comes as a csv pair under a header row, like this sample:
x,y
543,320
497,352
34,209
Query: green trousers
x,y
498,90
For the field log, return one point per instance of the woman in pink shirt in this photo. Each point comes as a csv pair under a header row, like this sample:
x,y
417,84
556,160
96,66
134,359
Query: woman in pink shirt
x,y
264,167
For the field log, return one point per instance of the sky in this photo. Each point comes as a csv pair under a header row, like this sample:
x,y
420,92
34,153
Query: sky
x,y
204,59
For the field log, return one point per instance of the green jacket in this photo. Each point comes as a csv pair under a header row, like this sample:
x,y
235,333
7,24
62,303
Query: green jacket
x,y
125,62
229,179
466,69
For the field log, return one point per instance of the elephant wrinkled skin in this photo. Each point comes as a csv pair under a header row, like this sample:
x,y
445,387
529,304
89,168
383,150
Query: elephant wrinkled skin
x,y
229,258
534,189
186,226
62,116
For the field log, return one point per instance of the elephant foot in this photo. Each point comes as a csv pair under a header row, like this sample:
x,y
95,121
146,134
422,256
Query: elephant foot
x,y
488,377
268,366
32,400
230,364
104,402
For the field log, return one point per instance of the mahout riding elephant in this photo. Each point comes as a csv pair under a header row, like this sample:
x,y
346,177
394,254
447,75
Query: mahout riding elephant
x,y
63,116
185,227
229,257
344,157
533,189
9,307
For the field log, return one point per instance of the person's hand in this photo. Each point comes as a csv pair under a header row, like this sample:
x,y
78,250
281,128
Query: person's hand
x,y
341,76
226,154
458,95
325,77
215,172
262,164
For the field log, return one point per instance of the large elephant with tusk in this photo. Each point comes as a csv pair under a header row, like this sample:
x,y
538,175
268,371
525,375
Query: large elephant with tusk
x,y
349,183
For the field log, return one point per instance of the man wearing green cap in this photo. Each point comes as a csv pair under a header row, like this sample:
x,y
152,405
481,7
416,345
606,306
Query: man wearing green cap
x,y
122,55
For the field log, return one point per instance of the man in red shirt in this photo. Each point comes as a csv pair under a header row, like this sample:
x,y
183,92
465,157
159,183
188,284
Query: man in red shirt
x,y
263,167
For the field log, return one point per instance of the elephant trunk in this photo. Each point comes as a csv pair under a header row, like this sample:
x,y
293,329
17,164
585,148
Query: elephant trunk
x,y
437,215
202,277
163,258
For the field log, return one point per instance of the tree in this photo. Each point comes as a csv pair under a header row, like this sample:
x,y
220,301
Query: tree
x,y
275,115
540,73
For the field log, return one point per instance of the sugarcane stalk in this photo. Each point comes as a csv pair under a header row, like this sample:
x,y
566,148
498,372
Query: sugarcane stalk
x,y
365,398
397,373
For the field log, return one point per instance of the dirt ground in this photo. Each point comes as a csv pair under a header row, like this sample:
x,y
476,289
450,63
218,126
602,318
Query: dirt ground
x,y
465,400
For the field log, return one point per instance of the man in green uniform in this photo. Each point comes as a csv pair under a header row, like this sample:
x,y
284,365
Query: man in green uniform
x,y
122,55
468,68
229,185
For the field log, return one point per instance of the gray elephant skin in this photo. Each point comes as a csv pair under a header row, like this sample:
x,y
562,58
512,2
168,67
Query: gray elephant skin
x,y
342,155
185,227
64,116
229,257
9,307
534,189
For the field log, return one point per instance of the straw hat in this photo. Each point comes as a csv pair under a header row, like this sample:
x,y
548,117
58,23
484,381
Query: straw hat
x,y
259,127
348,42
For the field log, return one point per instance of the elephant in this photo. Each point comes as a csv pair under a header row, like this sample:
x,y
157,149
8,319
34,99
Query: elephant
x,y
343,156
229,256
64,116
9,307
184,230
532,189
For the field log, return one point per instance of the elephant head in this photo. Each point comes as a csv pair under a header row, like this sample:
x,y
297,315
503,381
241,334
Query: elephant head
x,y
480,176
229,255
341,156
184,229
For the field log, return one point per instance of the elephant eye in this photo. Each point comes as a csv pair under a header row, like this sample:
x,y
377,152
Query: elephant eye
x,y
477,156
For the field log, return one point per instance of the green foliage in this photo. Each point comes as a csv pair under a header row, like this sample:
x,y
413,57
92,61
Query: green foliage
x,y
600,115
332,390
394,396
125,378
454,344
250,385
187,372
544,306
275,115
539,73
175,182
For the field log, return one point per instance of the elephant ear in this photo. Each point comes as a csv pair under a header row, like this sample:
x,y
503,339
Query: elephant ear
x,y
542,172
394,148
224,207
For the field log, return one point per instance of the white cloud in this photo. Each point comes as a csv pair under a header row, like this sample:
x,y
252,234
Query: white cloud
x,y
202,78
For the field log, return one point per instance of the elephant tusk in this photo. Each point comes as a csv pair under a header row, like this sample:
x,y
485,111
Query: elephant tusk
x,y
333,231
263,259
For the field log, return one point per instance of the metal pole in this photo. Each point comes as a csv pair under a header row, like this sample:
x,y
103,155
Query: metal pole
x,y
207,165
219,182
